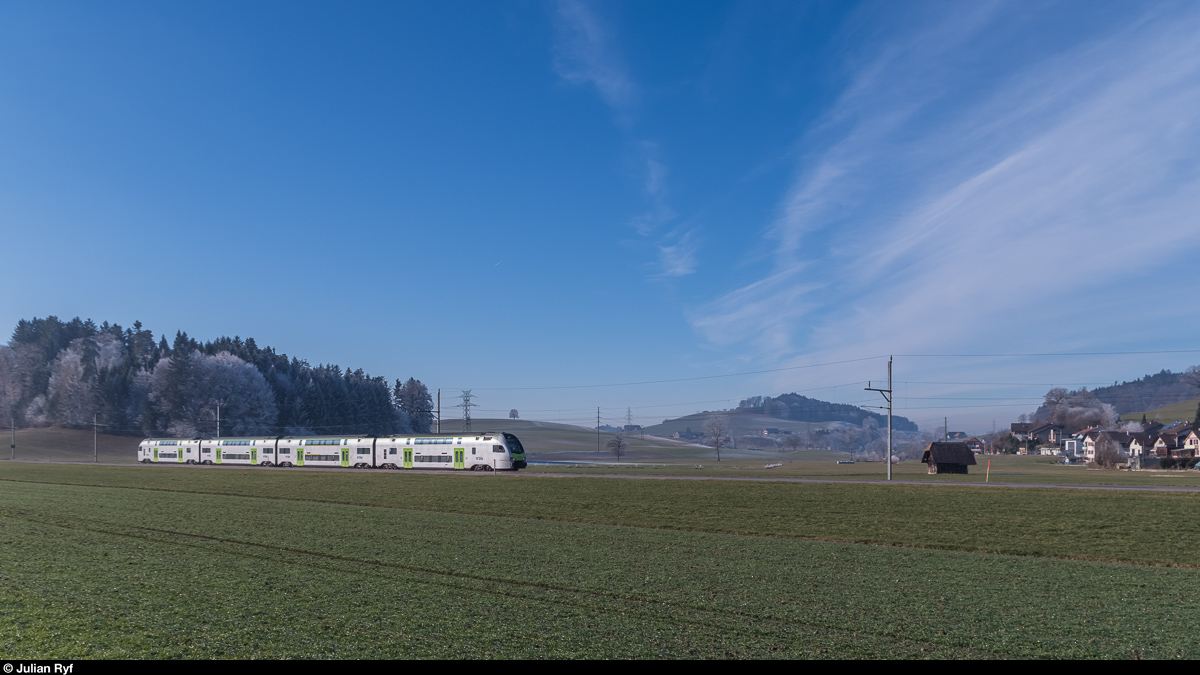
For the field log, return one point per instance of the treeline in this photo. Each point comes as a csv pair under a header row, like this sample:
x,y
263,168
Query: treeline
x,y
805,409
69,373
1079,409
1152,391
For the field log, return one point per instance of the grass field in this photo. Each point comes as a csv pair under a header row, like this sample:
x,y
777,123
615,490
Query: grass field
x,y
1175,412
191,562
663,457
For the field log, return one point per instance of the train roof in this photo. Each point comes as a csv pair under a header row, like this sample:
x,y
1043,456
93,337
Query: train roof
x,y
318,437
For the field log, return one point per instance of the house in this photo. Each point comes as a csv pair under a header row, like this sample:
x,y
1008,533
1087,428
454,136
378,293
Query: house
x,y
1141,445
1171,441
1124,440
952,457
770,430
1191,443
956,435
1088,443
1048,433
1021,429
977,446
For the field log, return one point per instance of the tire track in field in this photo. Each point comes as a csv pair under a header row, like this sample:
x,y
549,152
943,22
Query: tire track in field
x,y
645,606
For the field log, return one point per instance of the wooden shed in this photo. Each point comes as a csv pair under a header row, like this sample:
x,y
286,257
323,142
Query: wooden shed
x,y
948,457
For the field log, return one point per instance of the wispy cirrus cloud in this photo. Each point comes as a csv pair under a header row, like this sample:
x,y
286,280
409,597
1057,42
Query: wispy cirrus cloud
x,y
585,54
677,258
934,214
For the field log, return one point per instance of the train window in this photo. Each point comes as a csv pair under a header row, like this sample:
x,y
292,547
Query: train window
x,y
497,448
364,451
285,451
392,451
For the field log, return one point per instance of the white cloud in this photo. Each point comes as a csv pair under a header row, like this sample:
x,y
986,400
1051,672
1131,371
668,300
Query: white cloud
x,y
585,55
1056,211
678,259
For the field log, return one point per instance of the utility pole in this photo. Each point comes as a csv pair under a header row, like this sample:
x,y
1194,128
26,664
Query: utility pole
x,y
218,421
14,436
439,426
946,428
597,429
887,396
95,443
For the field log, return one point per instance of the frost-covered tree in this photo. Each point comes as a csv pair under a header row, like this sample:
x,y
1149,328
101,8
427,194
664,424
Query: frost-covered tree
x,y
10,386
187,388
415,400
71,393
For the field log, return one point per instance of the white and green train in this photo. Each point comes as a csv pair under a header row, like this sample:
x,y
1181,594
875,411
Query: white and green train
x,y
485,452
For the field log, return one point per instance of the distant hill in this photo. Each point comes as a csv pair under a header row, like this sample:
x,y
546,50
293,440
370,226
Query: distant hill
x,y
799,408
1148,393
743,422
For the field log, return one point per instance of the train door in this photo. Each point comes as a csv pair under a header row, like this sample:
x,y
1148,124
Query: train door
x,y
218,455
459,458
408,452
254,456
299,456
156,454
345,458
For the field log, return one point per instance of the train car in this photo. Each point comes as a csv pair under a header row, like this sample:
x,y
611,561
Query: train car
x,y
483,452
245,451
173,450
325,451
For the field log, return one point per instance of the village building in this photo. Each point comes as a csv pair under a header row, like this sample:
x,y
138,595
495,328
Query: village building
x,y
1021,429
951,457
1047,434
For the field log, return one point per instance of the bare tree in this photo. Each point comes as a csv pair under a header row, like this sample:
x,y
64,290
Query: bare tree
x,y
1108,452
716,426
512,414
1191,377
793,442
618,445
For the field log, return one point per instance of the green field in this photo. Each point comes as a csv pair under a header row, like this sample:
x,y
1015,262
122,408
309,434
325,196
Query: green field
x,y
663,457
1184,411
191,562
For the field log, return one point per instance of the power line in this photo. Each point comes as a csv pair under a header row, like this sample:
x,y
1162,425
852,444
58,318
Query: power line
x,y
965,356
683,379
1012,384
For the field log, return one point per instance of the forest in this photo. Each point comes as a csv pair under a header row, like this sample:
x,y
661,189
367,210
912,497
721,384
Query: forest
x,y
76,373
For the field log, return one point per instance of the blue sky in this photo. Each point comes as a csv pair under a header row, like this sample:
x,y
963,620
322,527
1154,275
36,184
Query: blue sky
x,y
525,198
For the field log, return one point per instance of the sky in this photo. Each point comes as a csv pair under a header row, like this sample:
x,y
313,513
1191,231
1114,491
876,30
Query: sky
x,y
659,208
